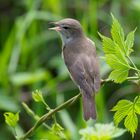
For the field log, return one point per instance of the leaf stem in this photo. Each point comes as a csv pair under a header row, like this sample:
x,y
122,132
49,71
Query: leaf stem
x,y
136,99
15,133
47,107
134,68
132,78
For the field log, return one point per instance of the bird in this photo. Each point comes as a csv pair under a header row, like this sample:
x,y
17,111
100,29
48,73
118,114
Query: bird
x,y
79,54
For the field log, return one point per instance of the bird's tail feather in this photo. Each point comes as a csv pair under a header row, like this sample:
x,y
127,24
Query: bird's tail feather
x,y
89,107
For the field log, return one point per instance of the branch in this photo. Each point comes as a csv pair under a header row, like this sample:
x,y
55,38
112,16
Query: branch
x,y
33,115
47,116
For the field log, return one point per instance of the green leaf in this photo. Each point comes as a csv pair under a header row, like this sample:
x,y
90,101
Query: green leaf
x,y
127,110
131,122
129,42
117,33
122,104
116,50
58,130
108,45
119,75
56,127
37,96
120,68
11,119
115,62
122,108
121,56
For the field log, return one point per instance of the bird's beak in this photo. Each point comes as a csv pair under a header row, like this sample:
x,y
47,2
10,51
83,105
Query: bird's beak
x,y
56,26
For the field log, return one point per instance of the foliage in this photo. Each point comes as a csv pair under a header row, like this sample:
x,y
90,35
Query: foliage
x,y
11,119
117,53
101,132
128,111
58,130
37,96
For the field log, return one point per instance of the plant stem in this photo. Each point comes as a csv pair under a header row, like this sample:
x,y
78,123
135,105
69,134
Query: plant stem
x,y
132,78
105,81
33,115
136,99
135,68
47,116
15,133
47,107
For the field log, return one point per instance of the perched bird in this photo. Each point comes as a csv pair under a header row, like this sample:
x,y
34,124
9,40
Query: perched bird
x,y
79,55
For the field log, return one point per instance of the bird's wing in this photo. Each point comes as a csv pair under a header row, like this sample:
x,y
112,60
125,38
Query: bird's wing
x,y
91,65
80,76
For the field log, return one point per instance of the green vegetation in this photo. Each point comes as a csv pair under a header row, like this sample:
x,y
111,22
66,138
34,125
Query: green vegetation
x,y
117,55
30,59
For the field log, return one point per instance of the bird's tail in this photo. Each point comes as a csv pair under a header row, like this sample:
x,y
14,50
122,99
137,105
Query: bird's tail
x,y
89,107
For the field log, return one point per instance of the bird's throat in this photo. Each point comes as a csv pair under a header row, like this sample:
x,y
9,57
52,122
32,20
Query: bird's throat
x,y
65,39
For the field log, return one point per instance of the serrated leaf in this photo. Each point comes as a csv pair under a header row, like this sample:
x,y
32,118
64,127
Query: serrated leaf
x,y
122,109
121,56
131,122
116,50
117,33
122,104
115,62
119,75
108,44
119,116
127,110
129,42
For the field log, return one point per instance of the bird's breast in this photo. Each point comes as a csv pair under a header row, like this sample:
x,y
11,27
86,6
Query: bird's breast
x,y
69,56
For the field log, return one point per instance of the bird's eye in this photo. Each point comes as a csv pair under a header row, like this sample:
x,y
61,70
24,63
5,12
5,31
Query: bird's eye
x,y
66,27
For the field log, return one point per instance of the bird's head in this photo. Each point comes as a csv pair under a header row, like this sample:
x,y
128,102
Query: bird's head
x,y
68,28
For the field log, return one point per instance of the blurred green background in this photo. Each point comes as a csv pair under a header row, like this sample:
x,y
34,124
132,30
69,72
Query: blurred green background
x,y
30,58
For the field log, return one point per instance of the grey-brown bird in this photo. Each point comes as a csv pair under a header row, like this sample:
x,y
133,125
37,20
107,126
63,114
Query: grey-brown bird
x,y
79,55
